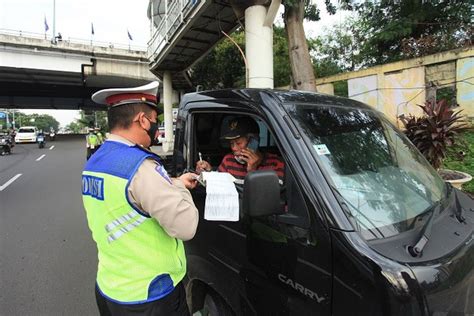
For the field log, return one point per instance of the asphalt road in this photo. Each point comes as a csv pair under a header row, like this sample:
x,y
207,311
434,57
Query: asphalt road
x,y
48,259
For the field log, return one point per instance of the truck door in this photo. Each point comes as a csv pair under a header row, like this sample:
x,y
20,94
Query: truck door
x,y
290,258
221,243
283,262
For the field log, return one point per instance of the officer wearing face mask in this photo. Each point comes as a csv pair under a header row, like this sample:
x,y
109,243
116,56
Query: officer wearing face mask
x,y
138,215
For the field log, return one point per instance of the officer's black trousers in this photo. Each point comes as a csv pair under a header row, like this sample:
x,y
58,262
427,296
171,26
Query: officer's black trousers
x,y
174,304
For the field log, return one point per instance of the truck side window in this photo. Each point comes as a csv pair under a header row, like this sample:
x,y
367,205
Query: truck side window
x,y
208,127
206,138
295,204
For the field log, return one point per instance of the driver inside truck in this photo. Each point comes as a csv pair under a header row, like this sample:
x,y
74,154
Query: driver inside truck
x,y
242,134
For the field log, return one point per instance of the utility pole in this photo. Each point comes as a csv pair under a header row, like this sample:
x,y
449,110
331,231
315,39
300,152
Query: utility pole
x,y
8,121
53,40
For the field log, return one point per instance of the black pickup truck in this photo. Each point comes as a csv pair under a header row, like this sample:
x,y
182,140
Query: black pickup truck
x,y
362,224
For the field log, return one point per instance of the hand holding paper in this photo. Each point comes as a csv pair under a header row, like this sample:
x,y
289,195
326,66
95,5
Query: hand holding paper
x,y
222,199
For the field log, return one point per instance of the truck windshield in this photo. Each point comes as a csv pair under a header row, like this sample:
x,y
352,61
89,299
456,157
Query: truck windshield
x,y
380,178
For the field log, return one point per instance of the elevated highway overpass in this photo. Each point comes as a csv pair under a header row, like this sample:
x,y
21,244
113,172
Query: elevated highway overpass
x,y
36,73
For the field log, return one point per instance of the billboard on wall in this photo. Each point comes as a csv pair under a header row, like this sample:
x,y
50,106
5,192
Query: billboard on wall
x,y
464,87
398,93
403,91
364,89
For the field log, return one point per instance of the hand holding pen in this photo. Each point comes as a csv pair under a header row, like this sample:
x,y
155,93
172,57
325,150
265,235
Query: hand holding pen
x,y
202,165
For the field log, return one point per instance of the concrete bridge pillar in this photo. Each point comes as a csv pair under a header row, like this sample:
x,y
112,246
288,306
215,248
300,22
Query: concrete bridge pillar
x,y
168,112
259,44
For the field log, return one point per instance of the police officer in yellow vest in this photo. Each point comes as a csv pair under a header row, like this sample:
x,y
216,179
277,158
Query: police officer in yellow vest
x,y
100,137
138,215
92,143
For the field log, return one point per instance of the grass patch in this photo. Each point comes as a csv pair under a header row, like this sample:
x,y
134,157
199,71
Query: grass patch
x,y
463,162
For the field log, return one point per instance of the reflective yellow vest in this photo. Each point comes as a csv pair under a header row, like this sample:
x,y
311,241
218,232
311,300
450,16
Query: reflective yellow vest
x,y
92,139
100,138
138,261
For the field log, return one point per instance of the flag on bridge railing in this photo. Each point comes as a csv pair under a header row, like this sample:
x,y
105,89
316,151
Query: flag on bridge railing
x,y
46,26
92,29
129,36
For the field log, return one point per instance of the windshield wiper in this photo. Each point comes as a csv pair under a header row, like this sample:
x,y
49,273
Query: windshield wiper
x,y
417,249
458,209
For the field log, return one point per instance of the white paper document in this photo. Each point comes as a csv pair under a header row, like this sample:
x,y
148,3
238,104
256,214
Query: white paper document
x,y
222,199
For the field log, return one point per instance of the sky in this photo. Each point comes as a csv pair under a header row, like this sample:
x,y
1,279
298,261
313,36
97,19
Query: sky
x,y
112,19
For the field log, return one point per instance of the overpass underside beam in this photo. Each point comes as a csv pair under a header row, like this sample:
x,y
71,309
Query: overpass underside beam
x,y
179,41
181,38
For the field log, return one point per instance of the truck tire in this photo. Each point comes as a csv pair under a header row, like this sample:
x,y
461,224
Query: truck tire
x,y
214,305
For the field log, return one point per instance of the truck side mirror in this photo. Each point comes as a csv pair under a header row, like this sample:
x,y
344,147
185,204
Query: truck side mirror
x,y
261,193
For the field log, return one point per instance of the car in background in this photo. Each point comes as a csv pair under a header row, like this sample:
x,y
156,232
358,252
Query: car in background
x,y
26,134
161,135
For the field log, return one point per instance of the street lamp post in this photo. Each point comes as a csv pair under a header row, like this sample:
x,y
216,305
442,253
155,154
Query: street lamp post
x,y
53,40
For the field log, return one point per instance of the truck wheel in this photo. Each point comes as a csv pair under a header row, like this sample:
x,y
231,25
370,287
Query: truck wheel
x,y
214,305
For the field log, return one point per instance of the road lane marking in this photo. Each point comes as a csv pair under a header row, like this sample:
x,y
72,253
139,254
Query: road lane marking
x,y
467,299
40,157
51,148
3,187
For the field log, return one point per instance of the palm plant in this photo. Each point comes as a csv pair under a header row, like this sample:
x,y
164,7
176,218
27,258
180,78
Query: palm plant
x,y
435,131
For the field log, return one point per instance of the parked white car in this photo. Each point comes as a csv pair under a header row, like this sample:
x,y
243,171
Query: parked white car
x,y
26,134
161,135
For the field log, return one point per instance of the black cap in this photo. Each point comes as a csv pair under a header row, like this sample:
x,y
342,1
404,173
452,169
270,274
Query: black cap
x,y
239,127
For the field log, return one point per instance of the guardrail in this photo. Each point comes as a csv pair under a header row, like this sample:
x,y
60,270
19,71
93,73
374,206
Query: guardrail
x,y
175,15
73,40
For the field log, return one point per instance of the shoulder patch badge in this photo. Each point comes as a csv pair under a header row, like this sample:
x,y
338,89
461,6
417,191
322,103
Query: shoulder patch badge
x,y
163,173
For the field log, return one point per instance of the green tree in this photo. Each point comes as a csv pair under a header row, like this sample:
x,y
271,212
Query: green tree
x,y
74,127
89,119
394,30
281,60
300,61
20,118
336,50
43,122
224,66
93,119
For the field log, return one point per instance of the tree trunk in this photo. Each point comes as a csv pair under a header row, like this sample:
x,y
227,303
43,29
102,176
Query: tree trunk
x,y
300,61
